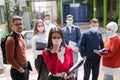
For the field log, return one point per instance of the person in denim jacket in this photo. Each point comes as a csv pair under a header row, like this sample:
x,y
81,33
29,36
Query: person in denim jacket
x,y
72,34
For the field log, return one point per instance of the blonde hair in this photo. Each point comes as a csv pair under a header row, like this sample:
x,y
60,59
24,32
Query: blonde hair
x,y
36,25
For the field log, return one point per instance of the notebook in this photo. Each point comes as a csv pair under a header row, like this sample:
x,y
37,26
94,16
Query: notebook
x,y
40,46
104,50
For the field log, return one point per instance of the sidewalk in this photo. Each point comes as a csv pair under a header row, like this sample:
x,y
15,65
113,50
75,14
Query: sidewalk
x,y
33,74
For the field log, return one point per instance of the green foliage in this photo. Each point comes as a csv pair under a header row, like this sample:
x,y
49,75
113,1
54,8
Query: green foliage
x,y
4,34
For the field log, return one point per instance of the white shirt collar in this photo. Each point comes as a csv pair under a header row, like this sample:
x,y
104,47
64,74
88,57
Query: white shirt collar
x,y
61,54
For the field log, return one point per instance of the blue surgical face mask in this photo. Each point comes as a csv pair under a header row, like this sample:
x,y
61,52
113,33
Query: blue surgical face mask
x,y
109,33
47,22
69,22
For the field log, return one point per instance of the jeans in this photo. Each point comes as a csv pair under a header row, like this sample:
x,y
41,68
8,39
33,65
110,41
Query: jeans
x,y
75,57
16,75
108,77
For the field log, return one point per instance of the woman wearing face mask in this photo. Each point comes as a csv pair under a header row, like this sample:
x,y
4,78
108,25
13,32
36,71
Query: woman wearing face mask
x,y
39,35
58,57
111,60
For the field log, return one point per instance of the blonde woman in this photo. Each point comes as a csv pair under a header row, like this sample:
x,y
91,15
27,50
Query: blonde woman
x,y
39,35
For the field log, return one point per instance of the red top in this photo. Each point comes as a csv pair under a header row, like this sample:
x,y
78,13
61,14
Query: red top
x,y
54,65
112,59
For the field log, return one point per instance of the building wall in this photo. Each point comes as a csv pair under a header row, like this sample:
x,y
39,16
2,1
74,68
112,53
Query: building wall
x,y
42,8
112,9
2,2
3,26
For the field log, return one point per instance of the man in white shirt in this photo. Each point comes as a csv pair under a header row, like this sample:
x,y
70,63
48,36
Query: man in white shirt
x,y
48,24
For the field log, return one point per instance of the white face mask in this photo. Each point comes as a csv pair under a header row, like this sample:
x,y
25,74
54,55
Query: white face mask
x,y
17,31
57,41
47,22
94,29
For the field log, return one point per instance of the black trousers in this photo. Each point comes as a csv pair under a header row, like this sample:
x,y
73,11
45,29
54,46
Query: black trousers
x,y
16,75
44,71
91,65
55,78
51,77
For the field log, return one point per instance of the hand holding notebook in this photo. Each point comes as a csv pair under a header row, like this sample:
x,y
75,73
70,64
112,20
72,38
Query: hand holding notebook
x,y
104,50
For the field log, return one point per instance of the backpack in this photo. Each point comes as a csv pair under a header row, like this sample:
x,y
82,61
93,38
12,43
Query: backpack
x,y
3,41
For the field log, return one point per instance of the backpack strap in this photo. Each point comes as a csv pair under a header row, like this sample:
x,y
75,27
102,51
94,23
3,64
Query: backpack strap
x,y
16,40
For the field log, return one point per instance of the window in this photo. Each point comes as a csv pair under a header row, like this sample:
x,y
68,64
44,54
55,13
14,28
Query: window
x,y
2,15
114,5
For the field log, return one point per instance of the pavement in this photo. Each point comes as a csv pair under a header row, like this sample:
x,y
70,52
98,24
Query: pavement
x,y
33,74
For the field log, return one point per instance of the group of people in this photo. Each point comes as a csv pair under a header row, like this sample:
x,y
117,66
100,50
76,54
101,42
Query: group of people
x,y
62,49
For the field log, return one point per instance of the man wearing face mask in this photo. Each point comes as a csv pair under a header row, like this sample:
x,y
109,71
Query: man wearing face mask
x,y
90,40
16,56
72,35
48,24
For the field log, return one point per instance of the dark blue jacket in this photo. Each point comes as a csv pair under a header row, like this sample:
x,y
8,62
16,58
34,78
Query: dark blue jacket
x,y
73,36
88,42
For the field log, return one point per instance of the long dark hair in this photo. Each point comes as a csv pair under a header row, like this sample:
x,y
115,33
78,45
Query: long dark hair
x,y
55,30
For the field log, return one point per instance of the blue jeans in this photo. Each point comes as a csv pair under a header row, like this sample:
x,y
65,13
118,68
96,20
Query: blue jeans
x,y
75,57
108,77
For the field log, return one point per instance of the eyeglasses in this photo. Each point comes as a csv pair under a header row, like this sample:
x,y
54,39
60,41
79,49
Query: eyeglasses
x,y
18,24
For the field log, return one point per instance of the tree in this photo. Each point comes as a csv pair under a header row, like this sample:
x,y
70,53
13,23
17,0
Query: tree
x,y
12,8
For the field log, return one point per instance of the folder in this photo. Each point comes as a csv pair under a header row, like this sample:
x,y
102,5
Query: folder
x,y
40,46
75,66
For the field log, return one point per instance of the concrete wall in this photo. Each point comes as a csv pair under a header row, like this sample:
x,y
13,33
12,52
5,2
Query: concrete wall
x,y
2,2
26,20
3,26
